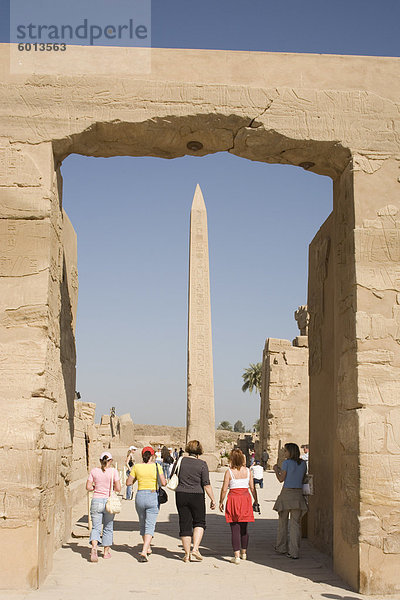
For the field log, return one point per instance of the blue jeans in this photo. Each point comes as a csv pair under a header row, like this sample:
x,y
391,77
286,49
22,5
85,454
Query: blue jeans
x,y
128,495
101,517
146,503
165,468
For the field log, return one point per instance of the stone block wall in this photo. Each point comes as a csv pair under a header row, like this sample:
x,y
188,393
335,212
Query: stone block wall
x,y
354,377
284,396
322,387
87,447
374,413
37,366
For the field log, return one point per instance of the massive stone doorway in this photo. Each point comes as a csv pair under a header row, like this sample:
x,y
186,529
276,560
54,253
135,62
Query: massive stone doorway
x,y
336,116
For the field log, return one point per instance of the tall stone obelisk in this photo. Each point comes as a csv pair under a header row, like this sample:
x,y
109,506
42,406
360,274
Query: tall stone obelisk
x,y
200,379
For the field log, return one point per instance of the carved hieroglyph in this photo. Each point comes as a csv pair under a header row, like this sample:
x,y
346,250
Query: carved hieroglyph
x,y
200,380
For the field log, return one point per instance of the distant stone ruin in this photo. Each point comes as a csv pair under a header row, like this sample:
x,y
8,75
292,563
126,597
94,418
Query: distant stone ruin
x,y
284,412
116,433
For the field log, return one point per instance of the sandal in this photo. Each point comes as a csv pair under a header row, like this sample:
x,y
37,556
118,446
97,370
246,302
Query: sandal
x,y
107,555
196,554
186,558
143,558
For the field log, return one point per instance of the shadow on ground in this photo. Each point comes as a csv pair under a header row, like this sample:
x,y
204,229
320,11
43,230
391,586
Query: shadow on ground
x,y
216,544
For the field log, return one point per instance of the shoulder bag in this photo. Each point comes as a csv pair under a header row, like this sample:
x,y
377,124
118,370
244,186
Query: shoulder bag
x,y
161,494
308,485
174,481
113,504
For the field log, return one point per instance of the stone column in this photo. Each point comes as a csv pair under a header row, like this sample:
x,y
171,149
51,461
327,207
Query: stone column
x,y
200,381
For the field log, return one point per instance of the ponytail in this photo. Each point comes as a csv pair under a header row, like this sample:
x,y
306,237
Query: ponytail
x,y
146,456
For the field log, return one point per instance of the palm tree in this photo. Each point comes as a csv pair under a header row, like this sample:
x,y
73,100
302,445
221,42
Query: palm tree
x,y
252,378
239,427
225,425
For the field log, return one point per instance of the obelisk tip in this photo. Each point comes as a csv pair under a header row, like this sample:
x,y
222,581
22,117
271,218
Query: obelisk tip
x,y
198,200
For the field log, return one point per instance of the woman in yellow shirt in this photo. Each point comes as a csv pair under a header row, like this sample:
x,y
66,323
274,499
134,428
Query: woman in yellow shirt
x,y
146,500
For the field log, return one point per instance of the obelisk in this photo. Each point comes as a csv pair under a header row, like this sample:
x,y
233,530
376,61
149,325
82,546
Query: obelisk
x,y
200,379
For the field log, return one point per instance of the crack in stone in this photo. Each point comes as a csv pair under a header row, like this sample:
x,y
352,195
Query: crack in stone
x,y
24,218
249,125
261,114
27,274
25,306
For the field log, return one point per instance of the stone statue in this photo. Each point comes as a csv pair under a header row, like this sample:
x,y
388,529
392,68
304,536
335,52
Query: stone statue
x,y
302,317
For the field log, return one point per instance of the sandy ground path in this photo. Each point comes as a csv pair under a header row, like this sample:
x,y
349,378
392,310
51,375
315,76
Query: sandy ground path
x,y
265,576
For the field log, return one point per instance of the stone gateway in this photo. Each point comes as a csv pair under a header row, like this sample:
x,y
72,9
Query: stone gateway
x,y
333,115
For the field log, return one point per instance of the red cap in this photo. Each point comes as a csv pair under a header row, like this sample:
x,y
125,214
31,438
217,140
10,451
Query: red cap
x,y
148,449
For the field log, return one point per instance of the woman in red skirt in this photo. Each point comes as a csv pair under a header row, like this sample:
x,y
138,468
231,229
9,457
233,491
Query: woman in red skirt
x,y
239,509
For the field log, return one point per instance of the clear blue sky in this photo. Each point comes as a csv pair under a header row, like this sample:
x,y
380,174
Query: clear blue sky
x,y
323,26
132,219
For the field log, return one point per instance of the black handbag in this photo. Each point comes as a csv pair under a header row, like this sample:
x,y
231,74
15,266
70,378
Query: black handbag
x,y
161,493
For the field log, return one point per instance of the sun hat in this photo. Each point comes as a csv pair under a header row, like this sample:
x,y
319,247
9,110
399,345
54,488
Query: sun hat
x,y
148,449
106,455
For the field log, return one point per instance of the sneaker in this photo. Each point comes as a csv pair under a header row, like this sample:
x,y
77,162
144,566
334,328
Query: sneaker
x,y
235,560
290,556
243,555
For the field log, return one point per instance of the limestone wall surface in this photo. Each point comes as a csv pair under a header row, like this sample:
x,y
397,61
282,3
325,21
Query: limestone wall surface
x,y
373,418
322,387
333,115
37,379
285,108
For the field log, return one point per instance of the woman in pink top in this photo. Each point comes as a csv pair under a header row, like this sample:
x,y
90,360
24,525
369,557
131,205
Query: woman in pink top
x,y
101,481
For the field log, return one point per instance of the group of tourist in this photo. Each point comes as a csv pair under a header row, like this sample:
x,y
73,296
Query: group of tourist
x,y
193,475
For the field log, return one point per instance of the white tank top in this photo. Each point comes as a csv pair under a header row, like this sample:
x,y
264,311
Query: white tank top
x,y
239,483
